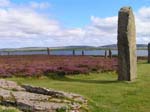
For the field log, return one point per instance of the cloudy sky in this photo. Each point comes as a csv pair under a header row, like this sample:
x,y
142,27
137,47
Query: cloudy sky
x,y
49,23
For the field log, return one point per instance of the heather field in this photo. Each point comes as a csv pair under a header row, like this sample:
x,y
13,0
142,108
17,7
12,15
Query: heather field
x,y
38,65
103,91
96,80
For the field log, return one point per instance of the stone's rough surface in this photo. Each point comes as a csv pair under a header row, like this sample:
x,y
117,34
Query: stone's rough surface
x,y
10,85
37,99
149,53
126,45
55,94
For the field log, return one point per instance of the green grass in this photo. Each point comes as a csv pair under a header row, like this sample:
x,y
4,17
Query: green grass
x,y
8,109
104,92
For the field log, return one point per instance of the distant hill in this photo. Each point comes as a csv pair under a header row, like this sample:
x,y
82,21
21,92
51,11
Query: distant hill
x,y
23,49
45,48
109,46
77,47
112,46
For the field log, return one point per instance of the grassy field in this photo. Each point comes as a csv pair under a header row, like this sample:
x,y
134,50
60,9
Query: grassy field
x,y
6,109
104,92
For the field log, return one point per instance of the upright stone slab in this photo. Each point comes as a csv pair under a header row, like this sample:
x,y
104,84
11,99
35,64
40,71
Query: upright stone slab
x,y
73,52
105,53
48,51
82,52
127,59
110,53
149,53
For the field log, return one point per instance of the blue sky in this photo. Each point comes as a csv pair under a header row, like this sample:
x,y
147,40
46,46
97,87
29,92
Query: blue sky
x,y
76,13
49,23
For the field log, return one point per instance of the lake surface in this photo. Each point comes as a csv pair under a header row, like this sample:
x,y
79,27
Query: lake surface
x,y
70,52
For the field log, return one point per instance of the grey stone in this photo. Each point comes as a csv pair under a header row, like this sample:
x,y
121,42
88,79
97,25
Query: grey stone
x,y
55,94
127,59
82,52
110,54
10,85
48,51
105,53
29,101
73,52
149,53
37,99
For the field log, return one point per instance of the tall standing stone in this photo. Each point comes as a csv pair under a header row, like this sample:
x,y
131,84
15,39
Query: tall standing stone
x,y
149,53
73,52
8,53
105,53
82,52
127,59
48,51
110,53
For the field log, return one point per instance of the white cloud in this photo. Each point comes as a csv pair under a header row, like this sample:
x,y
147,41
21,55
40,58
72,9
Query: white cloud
x,y
143,25
105,29
42,5
25,22
144,13
4,3
22,26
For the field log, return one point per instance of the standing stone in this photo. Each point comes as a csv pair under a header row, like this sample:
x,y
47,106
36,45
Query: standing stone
x,y
127,59
105,53
82,52
110,54
48,51
73,52
149,53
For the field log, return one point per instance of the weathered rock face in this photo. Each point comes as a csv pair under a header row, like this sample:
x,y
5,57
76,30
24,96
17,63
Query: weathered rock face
x,y
37,99
126,45
10,85
149,53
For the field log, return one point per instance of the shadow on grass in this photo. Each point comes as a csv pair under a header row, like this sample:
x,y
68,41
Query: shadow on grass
x,y
64,78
